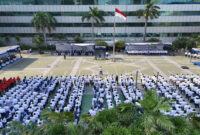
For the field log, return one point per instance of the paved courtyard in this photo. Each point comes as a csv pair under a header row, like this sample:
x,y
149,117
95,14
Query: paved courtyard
x,y
47,65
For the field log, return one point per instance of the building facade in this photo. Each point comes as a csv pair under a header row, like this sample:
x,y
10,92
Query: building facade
x,y
178,18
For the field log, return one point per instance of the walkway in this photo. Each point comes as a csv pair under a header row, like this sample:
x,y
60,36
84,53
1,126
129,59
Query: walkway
x,y
156,68
76,67
52,66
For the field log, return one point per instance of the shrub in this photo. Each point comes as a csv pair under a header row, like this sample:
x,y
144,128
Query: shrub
x,y
78,39
153,40
25,47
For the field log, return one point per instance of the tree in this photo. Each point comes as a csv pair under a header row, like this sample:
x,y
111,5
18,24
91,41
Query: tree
x,y
55,123
62,117
197,41
1,43
182,126
101,42
115,129
43,22
16,128
78,39
77,129
152,119
7,39
185,43
190,43
38,40
150,12
120,45
17,39
179,43
95,16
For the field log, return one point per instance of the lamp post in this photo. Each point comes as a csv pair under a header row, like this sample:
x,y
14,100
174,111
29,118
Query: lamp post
x,y
136,78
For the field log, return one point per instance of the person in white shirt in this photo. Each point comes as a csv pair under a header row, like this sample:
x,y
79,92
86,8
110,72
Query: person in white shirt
x,y
101,70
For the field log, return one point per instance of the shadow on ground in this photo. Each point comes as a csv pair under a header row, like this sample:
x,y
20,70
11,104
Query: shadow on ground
x,y
20,65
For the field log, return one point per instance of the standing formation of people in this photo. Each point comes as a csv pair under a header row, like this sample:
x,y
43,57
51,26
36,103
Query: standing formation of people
x,y
6,84
25,101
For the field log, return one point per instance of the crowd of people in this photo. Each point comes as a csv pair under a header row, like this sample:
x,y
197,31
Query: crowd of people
x,y
144,50
6,60
7,83
26,99
193,55
189,85
77,51
180,107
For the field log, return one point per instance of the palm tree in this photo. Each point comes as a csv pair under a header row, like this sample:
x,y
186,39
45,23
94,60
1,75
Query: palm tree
x,y
43,22
150,12
77,129
63,117
15,128
17,39
55,123
152,118
95,16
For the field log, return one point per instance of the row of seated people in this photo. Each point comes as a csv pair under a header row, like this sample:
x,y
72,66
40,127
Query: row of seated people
x,y
98,98
75,99
193,55
25,101
174,78
180,107
6,60
190,87
58,101
147,52
112,93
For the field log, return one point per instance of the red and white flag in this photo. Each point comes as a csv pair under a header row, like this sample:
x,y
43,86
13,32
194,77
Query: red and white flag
x,y
120,14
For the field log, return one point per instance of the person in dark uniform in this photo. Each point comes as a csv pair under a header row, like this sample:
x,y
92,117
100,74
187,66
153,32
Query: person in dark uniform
x,y
116,78
64,56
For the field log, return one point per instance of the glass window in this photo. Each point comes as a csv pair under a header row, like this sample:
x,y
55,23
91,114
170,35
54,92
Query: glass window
x,y
162,13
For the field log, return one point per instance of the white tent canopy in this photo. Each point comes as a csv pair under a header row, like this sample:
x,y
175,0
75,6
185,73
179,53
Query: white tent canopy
x,y
82,44
148,43
4,50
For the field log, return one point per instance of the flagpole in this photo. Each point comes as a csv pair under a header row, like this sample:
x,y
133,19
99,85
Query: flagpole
x,y
114,39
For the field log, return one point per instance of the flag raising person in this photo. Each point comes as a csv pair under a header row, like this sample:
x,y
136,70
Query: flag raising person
x,y
118,13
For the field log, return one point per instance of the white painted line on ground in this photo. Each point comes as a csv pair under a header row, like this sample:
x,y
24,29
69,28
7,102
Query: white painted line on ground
x,y
51,66
76,66
156,68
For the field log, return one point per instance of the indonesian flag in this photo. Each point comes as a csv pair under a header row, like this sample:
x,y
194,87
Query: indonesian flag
x,y
120,14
